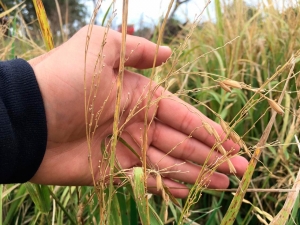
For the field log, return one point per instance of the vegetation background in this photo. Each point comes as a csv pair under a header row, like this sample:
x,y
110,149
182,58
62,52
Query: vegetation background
x,y
255,46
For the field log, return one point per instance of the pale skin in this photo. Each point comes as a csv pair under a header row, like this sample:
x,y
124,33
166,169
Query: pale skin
x,y
60,75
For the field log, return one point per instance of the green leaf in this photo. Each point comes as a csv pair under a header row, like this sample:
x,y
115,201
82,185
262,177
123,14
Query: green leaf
x,y
1,213
18,197
40,196
106,14
146,212
115,213
294,219
123,206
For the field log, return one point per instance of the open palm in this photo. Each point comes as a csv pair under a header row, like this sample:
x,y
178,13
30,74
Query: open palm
x,y
60,77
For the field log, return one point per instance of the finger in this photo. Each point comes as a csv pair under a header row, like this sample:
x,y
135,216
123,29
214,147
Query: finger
x,y
184,171
127,159
189,120
185,147
169,167
141,53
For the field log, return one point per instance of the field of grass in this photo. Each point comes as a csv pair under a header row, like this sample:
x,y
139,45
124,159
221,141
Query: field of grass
x,y
243,69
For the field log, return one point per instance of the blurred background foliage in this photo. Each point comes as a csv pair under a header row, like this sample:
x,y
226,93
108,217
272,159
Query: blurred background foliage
x,y
73,13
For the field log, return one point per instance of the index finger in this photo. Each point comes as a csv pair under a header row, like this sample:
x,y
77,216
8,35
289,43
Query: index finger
x,y
177,114
140,52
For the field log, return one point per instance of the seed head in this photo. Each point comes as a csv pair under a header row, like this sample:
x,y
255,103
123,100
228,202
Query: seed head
x,y
232,83
235,137
231,167
224,126
246,149
158,182
216,135
274,105
232,134
208,128
221,149
224,87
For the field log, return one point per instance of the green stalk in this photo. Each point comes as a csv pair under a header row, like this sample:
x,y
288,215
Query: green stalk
x,y
1,190
13,45
220,28
63,208
118,104
106,14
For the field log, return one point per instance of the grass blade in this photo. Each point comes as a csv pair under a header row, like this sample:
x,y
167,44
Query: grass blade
x,y
212,216
294,219
283,216
10,189
18,200
44,25
133,211
40,196
137,183
1,190
114,215
123,206
106,14
291,200
63,208
219,15
13,33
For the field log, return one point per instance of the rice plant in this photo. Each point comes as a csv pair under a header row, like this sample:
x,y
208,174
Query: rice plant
x,y
240,70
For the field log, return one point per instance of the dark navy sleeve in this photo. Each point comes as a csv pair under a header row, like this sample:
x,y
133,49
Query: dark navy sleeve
x,y
23,128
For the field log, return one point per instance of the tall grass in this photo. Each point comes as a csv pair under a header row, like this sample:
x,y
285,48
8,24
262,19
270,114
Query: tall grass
x,y
258,48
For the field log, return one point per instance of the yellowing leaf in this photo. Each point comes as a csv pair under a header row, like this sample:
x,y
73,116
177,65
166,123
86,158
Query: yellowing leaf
x,y
44,25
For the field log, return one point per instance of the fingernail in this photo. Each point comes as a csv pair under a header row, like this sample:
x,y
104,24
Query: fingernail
x,y
165,47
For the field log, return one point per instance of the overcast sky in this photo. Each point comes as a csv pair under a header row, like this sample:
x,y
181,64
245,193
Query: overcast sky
x,y
148,12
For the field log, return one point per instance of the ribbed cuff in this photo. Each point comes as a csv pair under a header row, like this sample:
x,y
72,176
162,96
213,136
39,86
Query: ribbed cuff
x,y
23,128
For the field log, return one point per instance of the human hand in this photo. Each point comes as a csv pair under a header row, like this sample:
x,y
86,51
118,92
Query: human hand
x,y
60,78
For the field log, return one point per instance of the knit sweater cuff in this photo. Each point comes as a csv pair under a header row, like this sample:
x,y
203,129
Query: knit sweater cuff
x,y
23,128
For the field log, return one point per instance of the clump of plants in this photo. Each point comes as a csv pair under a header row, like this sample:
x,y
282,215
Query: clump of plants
x,y
240,70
